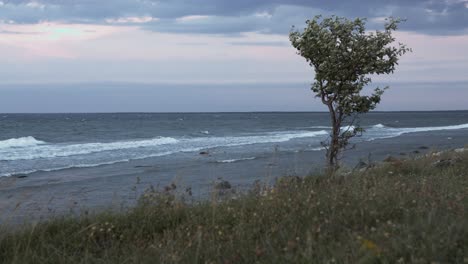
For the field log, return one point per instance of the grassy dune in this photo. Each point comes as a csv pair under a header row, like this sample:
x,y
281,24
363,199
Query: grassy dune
x,y
397,212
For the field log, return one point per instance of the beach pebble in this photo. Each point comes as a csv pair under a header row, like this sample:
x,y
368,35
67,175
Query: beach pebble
x,y
361,165
223,185
223,190
391,159
288,180
444,163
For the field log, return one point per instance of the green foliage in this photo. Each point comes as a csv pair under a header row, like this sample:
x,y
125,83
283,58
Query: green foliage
x,y
344,56
400,212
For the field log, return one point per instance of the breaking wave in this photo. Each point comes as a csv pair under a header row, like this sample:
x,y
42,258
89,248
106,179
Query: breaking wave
x,y
56,156
42,150
234,160
20,142
378,126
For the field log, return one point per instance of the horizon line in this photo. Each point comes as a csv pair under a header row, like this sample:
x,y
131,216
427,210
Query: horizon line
x,y
206,82
224,112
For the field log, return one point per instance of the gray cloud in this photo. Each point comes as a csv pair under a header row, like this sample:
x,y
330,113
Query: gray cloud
x,y
232,17
9,32
261,43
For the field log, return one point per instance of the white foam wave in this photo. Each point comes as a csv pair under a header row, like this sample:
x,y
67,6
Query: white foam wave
x,y
186,145
380,132
88,165
20,142
348,128
276,137
88,154
378,126
62,168
426,129
319,149
234,160
63,150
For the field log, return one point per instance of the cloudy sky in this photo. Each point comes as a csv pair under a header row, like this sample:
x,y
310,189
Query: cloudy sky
x,y
210,55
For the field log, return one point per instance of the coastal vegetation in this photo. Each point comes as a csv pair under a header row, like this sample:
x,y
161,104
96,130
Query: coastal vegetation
x,y
397,211
344,56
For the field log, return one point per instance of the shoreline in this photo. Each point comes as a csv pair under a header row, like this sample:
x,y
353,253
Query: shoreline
x,y
118,186
375,215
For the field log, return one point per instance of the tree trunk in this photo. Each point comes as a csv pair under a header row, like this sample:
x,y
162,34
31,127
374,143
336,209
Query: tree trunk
x,y
334,148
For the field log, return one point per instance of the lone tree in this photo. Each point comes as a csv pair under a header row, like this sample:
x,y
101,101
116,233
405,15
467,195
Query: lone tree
x,y
344,56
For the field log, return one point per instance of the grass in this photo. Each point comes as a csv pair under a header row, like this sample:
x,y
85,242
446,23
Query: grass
x,y
400,212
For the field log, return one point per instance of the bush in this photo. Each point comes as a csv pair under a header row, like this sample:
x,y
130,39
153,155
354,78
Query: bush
x,y
406,212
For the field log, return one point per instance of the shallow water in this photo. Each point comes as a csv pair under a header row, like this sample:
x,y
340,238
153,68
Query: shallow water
x,y
74,162
48,142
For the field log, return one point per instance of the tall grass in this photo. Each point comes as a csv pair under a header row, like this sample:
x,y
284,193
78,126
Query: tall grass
x,y
400,212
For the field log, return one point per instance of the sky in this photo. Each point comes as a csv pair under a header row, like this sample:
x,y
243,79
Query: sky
x,y
211,55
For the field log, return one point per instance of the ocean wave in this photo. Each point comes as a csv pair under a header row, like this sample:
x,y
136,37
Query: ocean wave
x,y
427,129
406,130
379,126
63,150
20,142
275,137
86,165
186,145
319,149
234,160
62,168
381,132
348,128
64,156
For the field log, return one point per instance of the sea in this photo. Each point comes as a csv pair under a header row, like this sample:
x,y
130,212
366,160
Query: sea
x,y
51,142
99,157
